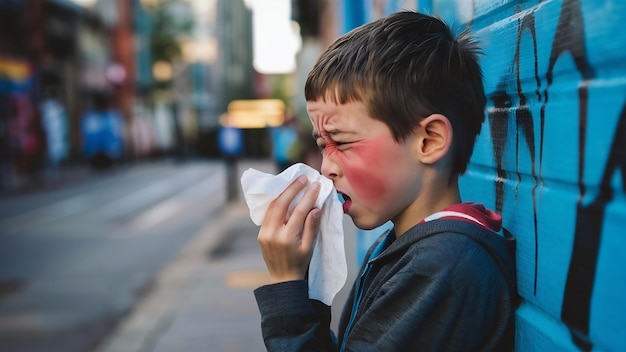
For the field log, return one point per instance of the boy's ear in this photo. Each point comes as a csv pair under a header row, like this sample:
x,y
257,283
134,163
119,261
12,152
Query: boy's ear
x,y
434,138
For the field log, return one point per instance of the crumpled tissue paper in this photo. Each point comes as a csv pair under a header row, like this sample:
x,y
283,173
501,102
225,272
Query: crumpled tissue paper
x,y
328,268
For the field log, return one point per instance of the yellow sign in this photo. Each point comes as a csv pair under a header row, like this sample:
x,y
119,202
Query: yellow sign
x,y
14,70
256,113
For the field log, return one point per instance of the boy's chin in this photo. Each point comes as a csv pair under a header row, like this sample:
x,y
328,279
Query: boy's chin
x,y
365,225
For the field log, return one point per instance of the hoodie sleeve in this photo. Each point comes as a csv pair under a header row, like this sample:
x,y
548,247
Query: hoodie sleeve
x,y
290,321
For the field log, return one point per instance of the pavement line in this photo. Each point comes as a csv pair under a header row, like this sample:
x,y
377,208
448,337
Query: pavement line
x,y
111,210
206,190
155,312
144,196
156,215
47,213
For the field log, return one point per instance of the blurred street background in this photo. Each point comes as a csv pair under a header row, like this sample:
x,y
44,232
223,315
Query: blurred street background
x,y
74,259
105,83
125,126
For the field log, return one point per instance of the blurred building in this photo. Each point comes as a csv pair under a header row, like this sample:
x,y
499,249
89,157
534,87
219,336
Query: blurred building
x,y
59,60
64,64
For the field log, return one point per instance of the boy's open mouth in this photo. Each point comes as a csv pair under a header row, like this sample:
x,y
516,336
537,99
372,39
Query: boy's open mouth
x,y
345,201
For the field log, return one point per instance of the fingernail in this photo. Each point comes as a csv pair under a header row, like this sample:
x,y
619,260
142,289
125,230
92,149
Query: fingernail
x,y
316,214
316,186
302,179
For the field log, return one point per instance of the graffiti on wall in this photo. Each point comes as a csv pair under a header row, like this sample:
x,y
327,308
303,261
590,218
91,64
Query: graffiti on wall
x,y
544,85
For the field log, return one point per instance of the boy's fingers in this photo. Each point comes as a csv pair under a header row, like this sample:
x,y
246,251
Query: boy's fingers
x,y
292,190
303,208
310,230
287,245
278,208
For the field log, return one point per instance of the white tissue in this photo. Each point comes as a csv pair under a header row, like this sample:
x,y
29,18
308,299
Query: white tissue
x,y
328,270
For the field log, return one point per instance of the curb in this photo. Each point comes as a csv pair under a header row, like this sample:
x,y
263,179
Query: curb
x,y
153,314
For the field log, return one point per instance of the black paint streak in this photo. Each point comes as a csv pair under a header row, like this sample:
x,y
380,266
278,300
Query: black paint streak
x,y
589,221
569,39
524,119
498,123
498,126
576,309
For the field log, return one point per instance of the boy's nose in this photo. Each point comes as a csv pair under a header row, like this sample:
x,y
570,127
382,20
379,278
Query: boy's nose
x,y
329,167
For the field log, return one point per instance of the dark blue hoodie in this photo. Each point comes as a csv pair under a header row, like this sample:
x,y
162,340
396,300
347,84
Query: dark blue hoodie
x,y
445,285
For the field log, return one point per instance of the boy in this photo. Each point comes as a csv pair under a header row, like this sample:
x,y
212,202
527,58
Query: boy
x,y
396,106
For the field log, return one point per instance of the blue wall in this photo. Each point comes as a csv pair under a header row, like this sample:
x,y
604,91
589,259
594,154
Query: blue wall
x,y
552,159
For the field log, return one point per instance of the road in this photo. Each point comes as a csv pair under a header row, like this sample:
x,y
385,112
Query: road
x,y
75,259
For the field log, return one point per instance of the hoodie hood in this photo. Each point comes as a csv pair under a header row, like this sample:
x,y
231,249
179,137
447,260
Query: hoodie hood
x,y
472,212
487,231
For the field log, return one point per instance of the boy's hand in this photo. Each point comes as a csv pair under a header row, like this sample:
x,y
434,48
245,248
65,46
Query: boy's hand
x,y
287,245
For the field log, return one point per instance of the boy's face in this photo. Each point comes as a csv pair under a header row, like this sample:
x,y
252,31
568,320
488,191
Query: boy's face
x,y
378,177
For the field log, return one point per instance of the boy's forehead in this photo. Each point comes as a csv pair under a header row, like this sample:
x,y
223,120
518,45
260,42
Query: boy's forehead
x,y
320,106
328,117
322,114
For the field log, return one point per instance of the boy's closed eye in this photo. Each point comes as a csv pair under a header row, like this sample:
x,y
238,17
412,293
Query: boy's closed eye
x,y
334,140
333,145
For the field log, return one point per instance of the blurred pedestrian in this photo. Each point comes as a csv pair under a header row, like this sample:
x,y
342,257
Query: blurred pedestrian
x,y
103,132
283,138
55,123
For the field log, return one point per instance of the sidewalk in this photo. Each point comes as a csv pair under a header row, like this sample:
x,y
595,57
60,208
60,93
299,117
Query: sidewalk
x,y
203,300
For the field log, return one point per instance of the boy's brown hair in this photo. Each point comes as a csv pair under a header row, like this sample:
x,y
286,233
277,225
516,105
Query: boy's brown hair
x,y
405,67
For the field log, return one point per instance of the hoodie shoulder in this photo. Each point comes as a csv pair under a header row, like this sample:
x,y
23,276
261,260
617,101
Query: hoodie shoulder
x,y
435,239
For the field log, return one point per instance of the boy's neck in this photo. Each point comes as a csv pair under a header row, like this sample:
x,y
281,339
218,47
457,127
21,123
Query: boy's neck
x,y
434,199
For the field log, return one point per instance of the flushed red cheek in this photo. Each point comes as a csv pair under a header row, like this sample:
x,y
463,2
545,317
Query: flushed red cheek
x,y
365,183
368,174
